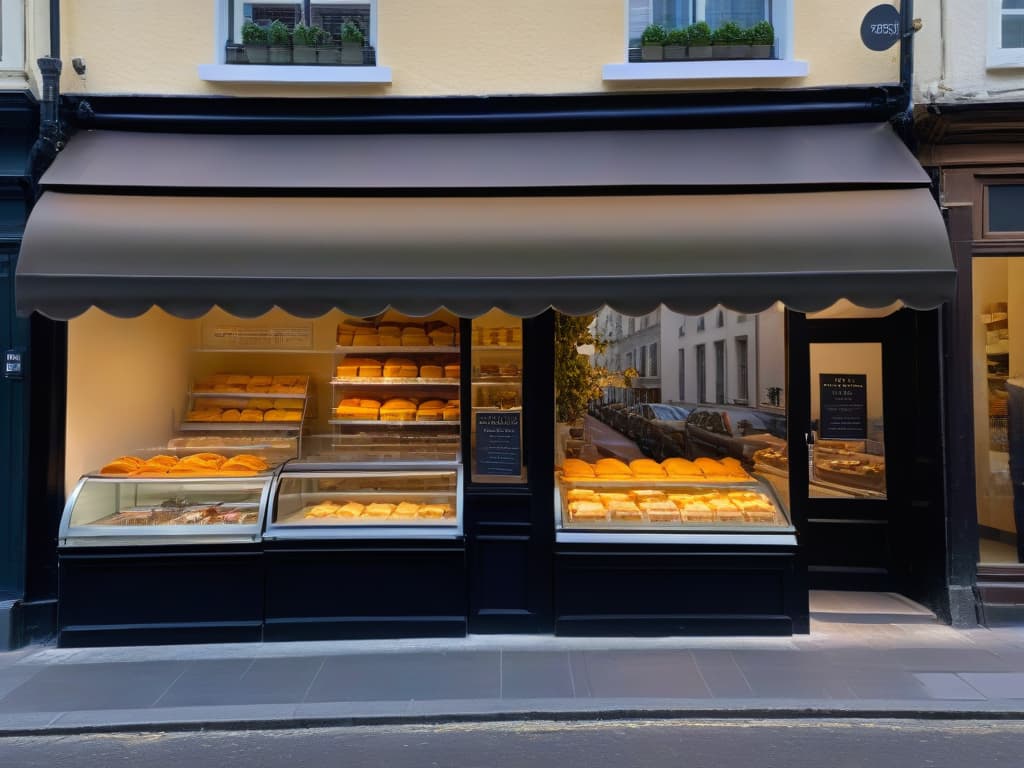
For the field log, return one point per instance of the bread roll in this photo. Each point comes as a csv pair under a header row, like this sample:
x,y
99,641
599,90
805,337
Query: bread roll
x,y
647,468
231,414
682,468
433,511
251,414
452,371
577,468
123,465
431,371
378,510
614,467
406,509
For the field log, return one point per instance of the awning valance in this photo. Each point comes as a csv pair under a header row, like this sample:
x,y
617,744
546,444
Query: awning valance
x,y
523,222
125,253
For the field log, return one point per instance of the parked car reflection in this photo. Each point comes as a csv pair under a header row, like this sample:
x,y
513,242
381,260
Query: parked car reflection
x,y
717,432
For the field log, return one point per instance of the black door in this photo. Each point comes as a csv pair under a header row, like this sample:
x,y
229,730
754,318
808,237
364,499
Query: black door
x,y
865,453
510,526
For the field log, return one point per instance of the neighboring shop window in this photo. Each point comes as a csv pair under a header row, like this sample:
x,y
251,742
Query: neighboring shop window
x,y
12,35
998,333
846,448
1005,207
1005,33
631,417
496,444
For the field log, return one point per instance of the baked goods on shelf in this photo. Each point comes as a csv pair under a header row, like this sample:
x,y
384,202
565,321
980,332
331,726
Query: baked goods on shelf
x,y
864,473
398,334
205,464
647,470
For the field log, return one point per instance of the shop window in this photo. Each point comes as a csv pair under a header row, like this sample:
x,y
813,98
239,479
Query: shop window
x,y
644,422
12,35
1005,33
496,428
702,375
720,372
682,375
1005,207
742,385
998,286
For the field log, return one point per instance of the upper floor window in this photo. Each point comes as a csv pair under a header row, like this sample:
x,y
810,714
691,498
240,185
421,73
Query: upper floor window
x,y
326,32
1006,33
12,35
1012,26
681,14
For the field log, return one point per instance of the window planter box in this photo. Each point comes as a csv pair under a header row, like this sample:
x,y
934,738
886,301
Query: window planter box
x,y
305,56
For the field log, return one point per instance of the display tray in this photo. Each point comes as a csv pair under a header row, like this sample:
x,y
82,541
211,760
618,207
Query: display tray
x,y
391,381
395,422
196,513
240,426
669,506
250,395
390,350
308,515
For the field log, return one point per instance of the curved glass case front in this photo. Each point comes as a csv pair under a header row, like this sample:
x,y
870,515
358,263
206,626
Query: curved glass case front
x,y
669,506
401,501
113,510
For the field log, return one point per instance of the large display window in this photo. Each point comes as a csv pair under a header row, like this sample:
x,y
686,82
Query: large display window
x,y
670,445
998,343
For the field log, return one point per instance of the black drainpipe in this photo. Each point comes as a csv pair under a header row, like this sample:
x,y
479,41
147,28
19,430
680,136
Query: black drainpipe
x,y
55,29
903,120
51,132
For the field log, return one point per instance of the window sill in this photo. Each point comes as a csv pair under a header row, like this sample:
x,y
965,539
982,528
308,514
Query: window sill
x,y
706,70
276,73
1003,59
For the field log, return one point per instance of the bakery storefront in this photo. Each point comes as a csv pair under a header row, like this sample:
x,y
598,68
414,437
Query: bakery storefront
x,y
299,408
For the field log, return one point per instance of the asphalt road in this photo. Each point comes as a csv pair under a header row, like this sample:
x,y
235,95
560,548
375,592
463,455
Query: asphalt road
x,y
644,744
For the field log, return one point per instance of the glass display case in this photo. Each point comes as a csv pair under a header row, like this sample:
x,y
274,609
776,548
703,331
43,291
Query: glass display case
x,y
117,510
669,506
367,500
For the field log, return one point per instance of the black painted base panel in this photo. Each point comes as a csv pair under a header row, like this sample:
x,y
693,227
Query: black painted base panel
x,y
631,591
336,590
134,596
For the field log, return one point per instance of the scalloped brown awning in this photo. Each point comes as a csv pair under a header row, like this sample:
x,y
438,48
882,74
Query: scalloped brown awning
x,y
122,231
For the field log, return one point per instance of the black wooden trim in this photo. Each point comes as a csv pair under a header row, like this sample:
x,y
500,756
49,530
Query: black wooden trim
x,y
708,109
171,633
676,624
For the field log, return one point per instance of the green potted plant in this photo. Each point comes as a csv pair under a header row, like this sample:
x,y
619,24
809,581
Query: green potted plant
x,y
762,39
280,41
577,382
698,37
652,42
729,42
352,41
675,45
254,39
305,42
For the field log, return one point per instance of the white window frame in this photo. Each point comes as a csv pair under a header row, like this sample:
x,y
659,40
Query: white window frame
x,y
221,72
12,46
999,57
783,66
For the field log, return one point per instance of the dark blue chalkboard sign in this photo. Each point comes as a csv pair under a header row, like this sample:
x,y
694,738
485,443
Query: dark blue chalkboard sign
x,y
499,441
880,29
844,406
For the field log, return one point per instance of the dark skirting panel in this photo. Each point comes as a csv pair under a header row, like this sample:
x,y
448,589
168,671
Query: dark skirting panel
x,y
636,591
324,590
142,596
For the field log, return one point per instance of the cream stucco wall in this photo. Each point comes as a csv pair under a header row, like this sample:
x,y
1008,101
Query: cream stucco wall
x,y
950,56
442,47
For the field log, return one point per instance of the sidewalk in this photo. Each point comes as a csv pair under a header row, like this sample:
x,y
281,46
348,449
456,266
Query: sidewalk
x,y
867,656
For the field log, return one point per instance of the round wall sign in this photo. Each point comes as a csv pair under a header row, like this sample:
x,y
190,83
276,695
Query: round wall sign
x,y
880,29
